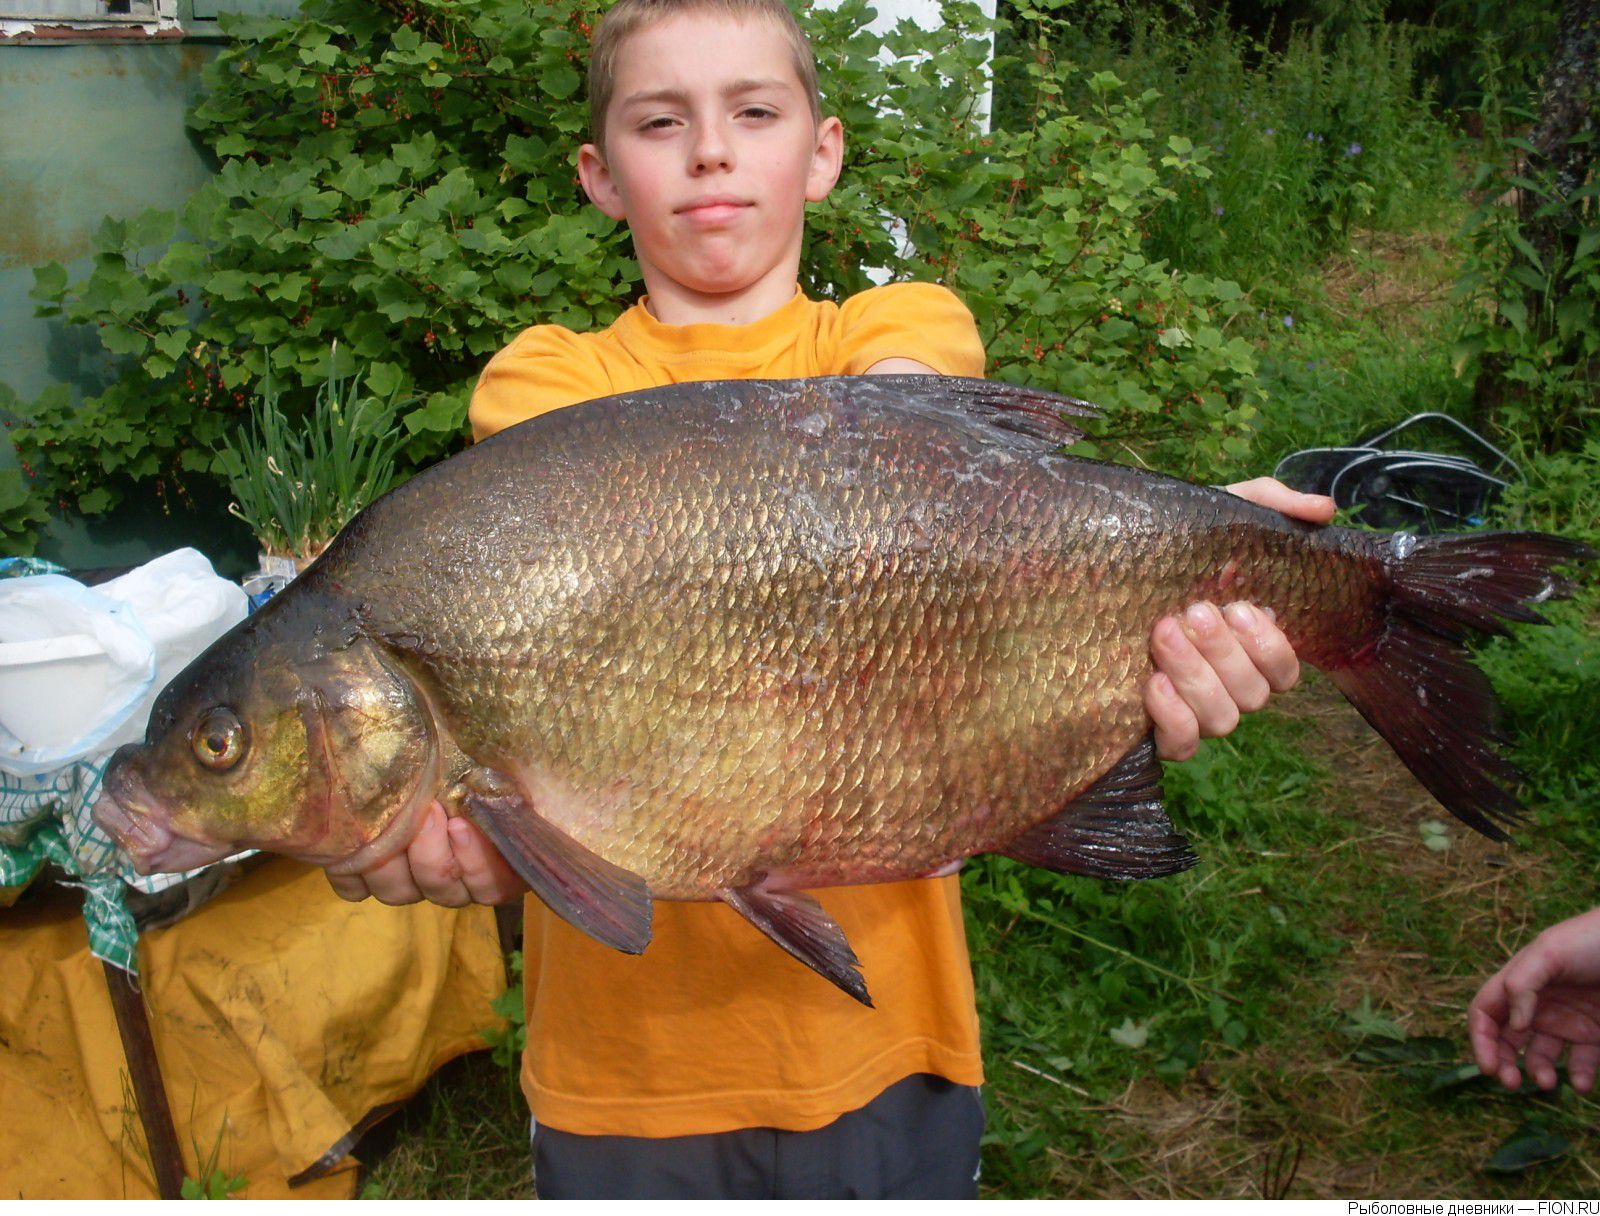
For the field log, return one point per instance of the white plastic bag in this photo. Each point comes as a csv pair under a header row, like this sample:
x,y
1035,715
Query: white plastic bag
x,y
80,667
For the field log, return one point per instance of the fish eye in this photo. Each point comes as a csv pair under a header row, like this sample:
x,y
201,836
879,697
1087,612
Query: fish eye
x,y
218,739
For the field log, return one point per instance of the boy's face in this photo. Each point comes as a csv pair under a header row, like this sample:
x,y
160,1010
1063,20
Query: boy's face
x,y
711,155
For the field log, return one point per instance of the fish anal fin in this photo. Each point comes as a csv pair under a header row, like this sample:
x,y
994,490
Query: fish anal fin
x,y
799,924
610,904
1117,828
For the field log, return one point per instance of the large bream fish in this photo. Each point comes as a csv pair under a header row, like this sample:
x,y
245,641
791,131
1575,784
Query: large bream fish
x,y
736,640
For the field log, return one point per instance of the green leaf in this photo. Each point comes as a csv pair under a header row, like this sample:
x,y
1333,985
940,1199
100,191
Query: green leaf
x,y
385,379
418,154
172,344
1130,1034
288,288
1530,1145
96,501
1588,241
49,281
1527,250
1365,1022
230,285
559,80
1459,1077
151,227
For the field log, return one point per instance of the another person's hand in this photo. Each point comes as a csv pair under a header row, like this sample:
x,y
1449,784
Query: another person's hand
x,y
1214,664
450,862
1546,1000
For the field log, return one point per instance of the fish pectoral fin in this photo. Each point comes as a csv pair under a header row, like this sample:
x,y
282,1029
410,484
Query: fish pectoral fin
x,y
610,904
1117,828
797,922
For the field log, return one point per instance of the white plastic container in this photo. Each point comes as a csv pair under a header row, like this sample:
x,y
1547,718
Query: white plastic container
x,y
52,688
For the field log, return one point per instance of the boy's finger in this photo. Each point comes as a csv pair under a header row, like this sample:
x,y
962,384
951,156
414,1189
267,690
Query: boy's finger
x,y
350,887
1201,669
484,873
434,867
1272,493
1177,734
1192,679
390,882
1268,648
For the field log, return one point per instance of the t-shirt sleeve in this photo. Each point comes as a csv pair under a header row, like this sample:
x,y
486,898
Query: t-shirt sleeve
x,y
544,368
921,321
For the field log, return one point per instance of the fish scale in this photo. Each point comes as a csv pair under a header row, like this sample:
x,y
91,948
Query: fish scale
x,y
728,641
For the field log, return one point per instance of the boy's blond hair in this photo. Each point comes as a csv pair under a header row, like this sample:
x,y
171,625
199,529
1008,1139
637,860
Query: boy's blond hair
x,y
628,17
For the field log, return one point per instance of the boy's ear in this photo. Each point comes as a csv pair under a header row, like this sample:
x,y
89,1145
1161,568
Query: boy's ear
x,y
598,183
826,160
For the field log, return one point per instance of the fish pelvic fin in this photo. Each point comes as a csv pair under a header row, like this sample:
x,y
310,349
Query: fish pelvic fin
x,y
799,924
610,904
1415,685
1117,828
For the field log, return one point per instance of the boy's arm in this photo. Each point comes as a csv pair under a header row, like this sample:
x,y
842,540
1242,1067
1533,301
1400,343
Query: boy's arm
x,y
1212,665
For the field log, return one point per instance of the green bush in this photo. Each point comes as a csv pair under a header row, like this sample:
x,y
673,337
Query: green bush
x,y
1529,332
1301,143
400,176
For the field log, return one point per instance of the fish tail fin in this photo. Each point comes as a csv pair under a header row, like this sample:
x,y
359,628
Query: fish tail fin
x,y
1415,684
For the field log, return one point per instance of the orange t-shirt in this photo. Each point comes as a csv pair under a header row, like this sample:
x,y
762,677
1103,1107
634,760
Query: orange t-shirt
x,y
714,1027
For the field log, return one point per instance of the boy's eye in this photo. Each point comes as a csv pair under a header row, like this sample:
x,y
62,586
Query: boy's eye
x,y
758,112
658,124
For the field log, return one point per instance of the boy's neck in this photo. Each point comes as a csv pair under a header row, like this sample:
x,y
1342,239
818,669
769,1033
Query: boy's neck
x,y
674,304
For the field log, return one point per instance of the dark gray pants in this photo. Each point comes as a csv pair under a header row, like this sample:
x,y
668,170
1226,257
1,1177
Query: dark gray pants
x,y
916,1140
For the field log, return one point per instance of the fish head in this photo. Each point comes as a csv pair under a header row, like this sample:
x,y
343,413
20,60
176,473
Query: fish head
x,y
273,740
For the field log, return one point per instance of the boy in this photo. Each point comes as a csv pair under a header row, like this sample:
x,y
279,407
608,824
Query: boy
x,y
713,1065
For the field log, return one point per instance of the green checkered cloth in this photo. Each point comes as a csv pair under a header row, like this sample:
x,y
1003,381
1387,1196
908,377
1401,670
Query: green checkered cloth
x,y
48,818
112,933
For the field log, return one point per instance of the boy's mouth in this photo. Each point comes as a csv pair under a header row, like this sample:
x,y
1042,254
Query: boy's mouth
x,y
713,209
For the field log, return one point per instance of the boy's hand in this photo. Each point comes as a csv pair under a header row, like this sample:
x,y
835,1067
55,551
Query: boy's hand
x,y
449,862
1546,1000
1213,665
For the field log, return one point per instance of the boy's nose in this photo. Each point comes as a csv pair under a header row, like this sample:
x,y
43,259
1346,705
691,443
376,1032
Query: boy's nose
x,y
712,149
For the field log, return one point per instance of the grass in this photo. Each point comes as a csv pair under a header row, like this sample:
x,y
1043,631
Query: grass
x,y
465,1136
1349,1061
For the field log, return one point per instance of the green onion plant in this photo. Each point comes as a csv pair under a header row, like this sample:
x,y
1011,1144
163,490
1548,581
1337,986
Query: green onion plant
x,y
297,480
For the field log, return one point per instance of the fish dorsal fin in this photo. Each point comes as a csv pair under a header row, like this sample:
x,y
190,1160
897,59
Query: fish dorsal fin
x,y
1117,828
610,904
1009,407
798,923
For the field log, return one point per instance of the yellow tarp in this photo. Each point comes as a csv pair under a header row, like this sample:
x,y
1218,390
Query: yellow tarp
x,y
281,1015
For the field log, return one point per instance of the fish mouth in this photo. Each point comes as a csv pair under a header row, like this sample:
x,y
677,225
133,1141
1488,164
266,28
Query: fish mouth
x,y
131,815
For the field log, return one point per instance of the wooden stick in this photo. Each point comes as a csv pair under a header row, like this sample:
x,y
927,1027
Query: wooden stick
x,y
133,1024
